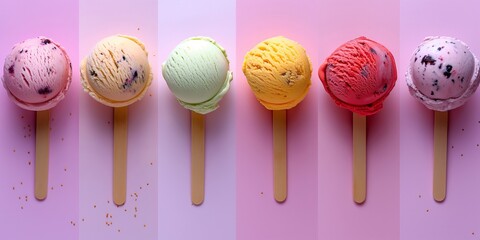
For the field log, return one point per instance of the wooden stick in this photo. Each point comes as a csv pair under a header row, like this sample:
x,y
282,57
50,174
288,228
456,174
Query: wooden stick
x,y
197,158
42,140
440,136
280,155
359,158
120,127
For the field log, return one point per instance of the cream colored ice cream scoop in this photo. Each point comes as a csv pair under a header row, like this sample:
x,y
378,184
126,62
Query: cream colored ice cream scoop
x,y
197,73
116,72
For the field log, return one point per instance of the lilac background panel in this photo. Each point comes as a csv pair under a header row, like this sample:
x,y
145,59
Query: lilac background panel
x,y
99,217
178,218
22,216
458,217
259,216
339,216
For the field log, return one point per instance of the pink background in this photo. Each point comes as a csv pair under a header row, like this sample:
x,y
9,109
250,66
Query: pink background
x,y
178,218
99,217
258,215
21,215
339,217
458,217
239,200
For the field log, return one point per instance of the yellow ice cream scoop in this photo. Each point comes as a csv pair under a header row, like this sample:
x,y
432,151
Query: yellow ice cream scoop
x,y
278,70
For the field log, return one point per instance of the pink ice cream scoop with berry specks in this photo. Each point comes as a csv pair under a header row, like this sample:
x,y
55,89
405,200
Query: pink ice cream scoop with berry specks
x,y
37,74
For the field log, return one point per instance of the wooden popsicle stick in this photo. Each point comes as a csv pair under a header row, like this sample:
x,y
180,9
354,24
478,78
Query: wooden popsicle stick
x,y
197,158
120,128
280,155
440,136
359,158
42,141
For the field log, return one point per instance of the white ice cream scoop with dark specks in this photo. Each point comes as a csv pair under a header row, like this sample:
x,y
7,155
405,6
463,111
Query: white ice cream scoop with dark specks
x,y
443,73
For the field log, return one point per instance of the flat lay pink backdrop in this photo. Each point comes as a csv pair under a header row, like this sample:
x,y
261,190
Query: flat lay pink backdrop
x,y
458,217
239,201
99,217
21,215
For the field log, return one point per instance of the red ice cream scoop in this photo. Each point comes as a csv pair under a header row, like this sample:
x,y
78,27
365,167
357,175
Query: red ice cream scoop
x,y
359,75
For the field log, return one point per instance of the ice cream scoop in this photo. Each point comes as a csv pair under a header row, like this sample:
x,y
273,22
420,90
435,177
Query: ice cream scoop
x,y
359,75
37,74
278,71
116,72
197,72
443,73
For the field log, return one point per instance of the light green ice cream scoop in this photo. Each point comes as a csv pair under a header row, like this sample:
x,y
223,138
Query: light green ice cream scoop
x,y
197,72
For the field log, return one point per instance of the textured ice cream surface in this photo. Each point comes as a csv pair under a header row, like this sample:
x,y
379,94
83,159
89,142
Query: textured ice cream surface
x,y
116,72
443,73
278,71
359,75
197,73
37,74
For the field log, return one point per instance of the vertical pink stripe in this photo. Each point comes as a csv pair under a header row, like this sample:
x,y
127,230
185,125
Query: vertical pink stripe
x,y
178,218
258,215
23,217
458,216
339,217
100,218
